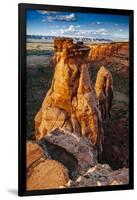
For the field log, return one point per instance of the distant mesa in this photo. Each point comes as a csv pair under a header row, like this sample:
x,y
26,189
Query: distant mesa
x,y
75,39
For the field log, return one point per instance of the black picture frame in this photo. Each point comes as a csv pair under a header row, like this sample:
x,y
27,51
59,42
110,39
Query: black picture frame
x,y
22,99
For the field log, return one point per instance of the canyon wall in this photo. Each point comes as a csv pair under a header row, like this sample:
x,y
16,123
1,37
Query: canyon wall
x,y
100,51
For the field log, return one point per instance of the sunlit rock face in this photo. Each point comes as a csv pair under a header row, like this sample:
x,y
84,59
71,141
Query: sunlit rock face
x,y
48,174
98,52
33,153
104,91
71,102
101,51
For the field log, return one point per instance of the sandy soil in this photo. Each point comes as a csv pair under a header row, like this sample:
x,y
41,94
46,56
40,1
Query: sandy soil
x,y
40,46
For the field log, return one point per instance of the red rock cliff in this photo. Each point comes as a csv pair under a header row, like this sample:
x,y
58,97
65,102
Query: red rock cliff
x,y
100,51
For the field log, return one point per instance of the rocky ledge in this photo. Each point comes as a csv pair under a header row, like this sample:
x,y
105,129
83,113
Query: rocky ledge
x,y
70,124
62,160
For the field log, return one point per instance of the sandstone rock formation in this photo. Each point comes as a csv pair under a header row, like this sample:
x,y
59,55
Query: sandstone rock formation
x,y
48,174
58,169
70,123
101,51
104,91
33,153
101,175
70,103
80,147
43,173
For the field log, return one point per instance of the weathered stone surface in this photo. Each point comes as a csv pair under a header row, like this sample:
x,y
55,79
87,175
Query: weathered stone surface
x,y
101,175
70,103
43,173
79,146
101,51
48,174
104,91
123,50
56,152
33,153
119,177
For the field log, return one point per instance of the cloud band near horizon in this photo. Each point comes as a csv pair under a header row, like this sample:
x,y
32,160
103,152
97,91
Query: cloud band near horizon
x,y
52,23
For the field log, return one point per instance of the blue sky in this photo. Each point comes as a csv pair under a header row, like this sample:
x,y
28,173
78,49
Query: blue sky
x,y
69,24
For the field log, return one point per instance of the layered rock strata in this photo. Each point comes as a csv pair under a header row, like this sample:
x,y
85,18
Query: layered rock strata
x,y
64,160
71,102
101,51
104,91
42,172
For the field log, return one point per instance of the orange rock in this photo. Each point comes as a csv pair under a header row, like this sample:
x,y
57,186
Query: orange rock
x,y
123,50
49,174
33,153
101,51
104,90
70,103
87,110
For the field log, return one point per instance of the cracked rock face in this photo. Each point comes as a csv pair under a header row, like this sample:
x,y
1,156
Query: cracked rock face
x,y
70,103
81,148
48,174
33,153
42,171
104,91
75,166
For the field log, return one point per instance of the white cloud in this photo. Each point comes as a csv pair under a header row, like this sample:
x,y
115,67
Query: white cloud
x,y
104,33
43,12
120,30
77,31
102,30
73,28
68,18
116,24
98,23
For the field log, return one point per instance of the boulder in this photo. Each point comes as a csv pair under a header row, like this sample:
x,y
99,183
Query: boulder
x,y
48,174
33,153
84,154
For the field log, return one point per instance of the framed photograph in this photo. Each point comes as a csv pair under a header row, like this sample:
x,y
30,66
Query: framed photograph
x,y
75,99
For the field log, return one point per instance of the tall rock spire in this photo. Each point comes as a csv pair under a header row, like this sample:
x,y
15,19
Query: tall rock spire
x,y
71,102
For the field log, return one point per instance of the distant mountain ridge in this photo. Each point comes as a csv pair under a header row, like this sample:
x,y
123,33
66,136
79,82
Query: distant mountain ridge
x,y
41,38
